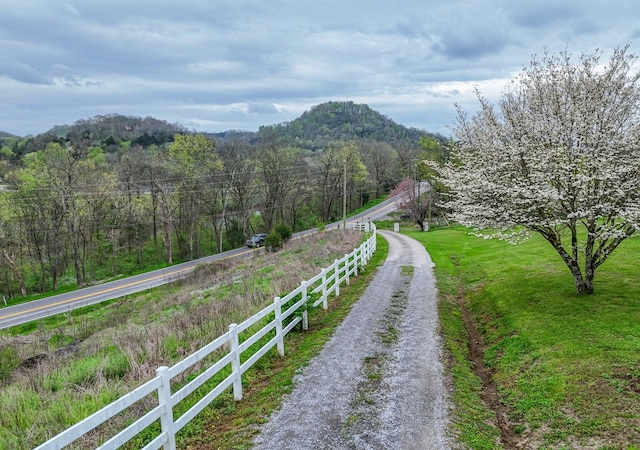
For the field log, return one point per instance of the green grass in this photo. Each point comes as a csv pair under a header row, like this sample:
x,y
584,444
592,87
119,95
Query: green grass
x,y
567,367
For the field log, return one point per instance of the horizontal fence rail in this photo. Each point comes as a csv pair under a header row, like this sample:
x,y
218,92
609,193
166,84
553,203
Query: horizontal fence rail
x,y
225,357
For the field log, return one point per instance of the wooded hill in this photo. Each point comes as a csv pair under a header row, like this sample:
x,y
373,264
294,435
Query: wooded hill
x,y
106,131
313,130
334,121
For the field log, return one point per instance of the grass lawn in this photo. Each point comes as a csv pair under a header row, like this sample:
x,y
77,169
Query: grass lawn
x,y
567,367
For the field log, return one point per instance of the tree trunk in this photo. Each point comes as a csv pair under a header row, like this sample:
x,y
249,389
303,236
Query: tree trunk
x,y
69,210
54,277
583,285
167,225
166,241
76,260
154,210
11,263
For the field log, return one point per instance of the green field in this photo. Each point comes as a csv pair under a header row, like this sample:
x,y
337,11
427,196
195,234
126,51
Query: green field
x,y
566,367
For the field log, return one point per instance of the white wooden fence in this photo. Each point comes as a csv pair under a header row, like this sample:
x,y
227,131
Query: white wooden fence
x,y
328,281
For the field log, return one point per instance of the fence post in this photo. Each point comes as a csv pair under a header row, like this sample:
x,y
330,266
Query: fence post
x,y
305,312
235,362
365,253
277,308
164,400
325,304
346,268
336,280
355,260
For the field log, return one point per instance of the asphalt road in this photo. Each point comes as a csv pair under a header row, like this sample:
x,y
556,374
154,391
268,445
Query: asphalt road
x,y
62,303
38,309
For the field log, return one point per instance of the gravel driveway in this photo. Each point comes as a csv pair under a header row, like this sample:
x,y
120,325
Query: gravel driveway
x,y
379,382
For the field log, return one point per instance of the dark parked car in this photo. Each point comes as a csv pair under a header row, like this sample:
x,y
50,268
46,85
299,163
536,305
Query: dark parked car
x,y
257,240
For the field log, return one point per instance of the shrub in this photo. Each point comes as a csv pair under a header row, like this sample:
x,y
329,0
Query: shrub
x,y
285,231
234,236
273,242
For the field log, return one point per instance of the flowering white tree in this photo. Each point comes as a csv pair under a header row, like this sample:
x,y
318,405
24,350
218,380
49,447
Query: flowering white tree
x,y
558,155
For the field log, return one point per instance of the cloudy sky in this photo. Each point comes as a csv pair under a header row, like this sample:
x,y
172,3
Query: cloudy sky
x,y
214,65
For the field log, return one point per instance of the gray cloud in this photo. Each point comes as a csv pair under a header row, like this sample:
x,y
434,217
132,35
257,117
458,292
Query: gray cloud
x,y
471,46
21,72
542,14
245,63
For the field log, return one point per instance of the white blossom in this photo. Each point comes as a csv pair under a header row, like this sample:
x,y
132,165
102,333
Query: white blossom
x,y
558,155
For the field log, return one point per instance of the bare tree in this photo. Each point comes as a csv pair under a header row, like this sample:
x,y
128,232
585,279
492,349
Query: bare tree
x,y
559,156
9,252
240,174
135,172
341,170
41,219
280,169
329,183
380,159
415,198
194,162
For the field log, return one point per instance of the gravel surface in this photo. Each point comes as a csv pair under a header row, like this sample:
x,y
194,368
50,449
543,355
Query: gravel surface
x,y
379,382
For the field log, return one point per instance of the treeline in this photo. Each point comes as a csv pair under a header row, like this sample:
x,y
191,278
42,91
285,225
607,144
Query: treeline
x,y
111,198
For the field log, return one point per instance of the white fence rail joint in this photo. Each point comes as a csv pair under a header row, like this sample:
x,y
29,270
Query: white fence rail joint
x,y
322,285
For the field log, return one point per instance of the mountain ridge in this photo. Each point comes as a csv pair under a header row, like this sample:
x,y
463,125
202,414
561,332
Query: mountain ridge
x,y
313,129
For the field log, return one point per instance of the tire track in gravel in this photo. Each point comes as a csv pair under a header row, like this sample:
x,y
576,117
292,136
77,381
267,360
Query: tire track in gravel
x,y
379,382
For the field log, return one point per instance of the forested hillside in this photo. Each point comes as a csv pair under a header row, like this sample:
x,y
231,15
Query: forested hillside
x,y
109,132
113,195
341,121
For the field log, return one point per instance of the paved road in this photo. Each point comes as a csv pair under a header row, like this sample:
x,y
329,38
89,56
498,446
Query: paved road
x,y
62,303
379,382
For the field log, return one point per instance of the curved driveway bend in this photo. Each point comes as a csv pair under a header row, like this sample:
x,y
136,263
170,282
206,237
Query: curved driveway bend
x,y
379,382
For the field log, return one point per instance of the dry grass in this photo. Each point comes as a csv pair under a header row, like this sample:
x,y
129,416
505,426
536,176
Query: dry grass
x,y
69,371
